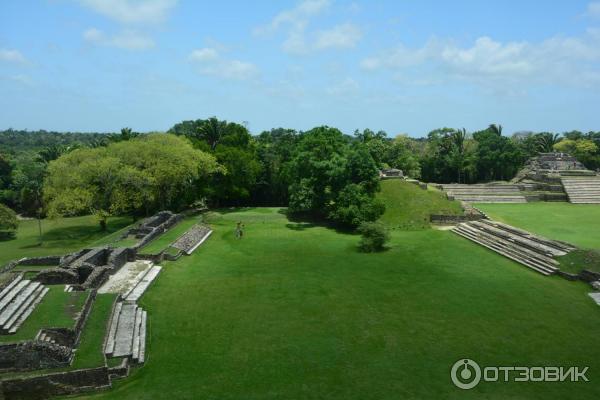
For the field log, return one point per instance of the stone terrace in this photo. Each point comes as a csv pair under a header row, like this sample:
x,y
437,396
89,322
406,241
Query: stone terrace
x,y
194,237
127,332
17,301
485,193
582,190
523,247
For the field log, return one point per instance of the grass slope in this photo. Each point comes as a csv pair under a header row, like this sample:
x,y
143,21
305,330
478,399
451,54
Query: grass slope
x,y
578,224
294,311
60,236
408,207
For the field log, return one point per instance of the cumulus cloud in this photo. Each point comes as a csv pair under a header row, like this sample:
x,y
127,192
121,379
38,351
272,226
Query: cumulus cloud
x,y
340,36
210,62
557,60
132,11
593,10
127,39
294,22
345,87
12,56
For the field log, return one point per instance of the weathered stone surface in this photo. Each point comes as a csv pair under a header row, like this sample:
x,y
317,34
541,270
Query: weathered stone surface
x,y
191,239
54,276
55,384
33,355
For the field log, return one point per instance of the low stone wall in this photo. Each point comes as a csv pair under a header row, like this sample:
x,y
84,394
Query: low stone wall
x,y
24,356
56,276
55,384
48,260
83,316
589,276
440,219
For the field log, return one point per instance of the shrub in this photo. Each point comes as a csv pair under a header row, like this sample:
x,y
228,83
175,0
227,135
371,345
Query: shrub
x,y
8,221
374,237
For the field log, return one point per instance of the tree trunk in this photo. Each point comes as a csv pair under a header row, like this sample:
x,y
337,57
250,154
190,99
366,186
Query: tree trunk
x,y
103,224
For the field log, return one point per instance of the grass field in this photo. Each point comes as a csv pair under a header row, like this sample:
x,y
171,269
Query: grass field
x,y
408,207
294,311
578,224
58,309
59,236
161,242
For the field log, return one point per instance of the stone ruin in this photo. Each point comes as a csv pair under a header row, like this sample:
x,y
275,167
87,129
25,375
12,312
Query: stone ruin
x,y
152,227
391,173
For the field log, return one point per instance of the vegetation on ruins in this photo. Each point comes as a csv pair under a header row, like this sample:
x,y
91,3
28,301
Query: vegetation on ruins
x,y
137,176
8,221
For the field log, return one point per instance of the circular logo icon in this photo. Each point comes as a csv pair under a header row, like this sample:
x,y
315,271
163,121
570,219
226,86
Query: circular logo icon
x,y
465,374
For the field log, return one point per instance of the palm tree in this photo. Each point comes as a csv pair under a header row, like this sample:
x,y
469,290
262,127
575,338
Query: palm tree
x,y
497,129
126,134
51,153
545,141
212,131
458,138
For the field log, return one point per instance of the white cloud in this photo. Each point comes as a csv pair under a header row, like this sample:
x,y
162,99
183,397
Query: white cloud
x,y
340,36
294,23
296,18
22,79
210,62
593,9
127,39
346,87
132,11
557,60
13,56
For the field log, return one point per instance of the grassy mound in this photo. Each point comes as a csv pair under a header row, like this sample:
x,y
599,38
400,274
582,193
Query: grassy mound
x,y
408,207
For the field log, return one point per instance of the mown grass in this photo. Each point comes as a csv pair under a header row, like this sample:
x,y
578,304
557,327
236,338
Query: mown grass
x,y
294,311
90,352
160,243
408,207
58,309
578,224
578,260
59,236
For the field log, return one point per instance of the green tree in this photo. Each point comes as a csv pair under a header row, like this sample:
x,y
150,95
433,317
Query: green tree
x,y
374,236
141,175
8,221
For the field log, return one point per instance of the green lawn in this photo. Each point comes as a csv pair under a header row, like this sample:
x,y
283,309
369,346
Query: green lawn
x,y
578,224
161,242
294,311
58,309
60,236
408,207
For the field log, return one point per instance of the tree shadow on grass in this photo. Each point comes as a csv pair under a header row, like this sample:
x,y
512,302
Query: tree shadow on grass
x,y
303,221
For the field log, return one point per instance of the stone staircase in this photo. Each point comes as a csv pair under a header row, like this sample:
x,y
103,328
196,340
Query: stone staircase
x,y
144,280
127,332
485,193
582,189
17,302
192,239
521,246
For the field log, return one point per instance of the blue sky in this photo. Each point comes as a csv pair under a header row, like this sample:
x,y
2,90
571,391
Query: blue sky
x,y
401,66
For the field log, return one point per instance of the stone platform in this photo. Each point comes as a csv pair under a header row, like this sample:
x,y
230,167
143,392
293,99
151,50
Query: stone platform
x,y
17,301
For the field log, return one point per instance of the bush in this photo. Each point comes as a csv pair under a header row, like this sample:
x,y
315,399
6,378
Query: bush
x,y
374,237
8,221
355,205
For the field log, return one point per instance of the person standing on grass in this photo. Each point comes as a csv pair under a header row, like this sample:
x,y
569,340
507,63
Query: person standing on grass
x,y
239,230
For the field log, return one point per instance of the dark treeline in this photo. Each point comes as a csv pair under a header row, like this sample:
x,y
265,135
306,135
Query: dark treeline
x,y
320,172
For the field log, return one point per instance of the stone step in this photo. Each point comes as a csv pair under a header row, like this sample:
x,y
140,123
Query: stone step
x,y
538,259
548,242
516,251
135,354
28,312
10,286
541,269
529,242
112,330
23,307
18,300
12,293
124,334
142,352
138,290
